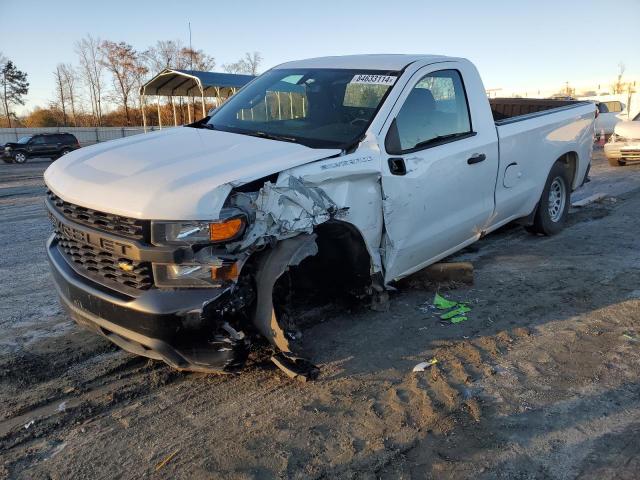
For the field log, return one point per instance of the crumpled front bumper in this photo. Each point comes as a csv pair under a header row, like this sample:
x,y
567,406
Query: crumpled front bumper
x,y
177,326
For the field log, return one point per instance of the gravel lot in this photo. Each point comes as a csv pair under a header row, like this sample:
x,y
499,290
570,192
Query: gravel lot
x,y
542,380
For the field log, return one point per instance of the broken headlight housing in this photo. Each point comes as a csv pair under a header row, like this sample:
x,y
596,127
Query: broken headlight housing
x,y
231,226
194,275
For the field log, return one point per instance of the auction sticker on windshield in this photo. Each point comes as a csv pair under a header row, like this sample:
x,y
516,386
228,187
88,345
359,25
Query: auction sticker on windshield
x,y
374,79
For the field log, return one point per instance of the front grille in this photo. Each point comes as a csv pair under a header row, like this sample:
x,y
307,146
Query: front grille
x,y
106,222
104,265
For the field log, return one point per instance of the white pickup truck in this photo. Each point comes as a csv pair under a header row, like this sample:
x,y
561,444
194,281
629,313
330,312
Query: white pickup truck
x,y
331,174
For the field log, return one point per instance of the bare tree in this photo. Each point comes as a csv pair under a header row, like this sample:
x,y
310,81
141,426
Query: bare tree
x,y
61,96
194,59
122,60
70,78
249,64
619,86
91,70
164,54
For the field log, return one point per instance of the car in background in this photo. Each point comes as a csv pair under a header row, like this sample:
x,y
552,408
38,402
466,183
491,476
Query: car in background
x,y
624,143
609,114
41,145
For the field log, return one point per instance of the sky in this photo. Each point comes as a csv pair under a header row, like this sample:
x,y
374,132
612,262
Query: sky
x,y
518,46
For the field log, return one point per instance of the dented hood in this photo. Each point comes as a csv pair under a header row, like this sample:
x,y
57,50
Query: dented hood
x,y
174,174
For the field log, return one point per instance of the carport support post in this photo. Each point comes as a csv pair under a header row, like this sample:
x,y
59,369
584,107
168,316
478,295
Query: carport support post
x,y
159,116
173,106
204,113
189,109
144,115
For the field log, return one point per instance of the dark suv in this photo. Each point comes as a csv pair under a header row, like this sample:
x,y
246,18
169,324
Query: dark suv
x,y
51,145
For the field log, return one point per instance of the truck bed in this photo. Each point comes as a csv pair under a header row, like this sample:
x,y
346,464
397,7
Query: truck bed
x,y
507,110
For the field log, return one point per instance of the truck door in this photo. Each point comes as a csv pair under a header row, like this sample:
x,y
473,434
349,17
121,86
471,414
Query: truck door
x,y
439,169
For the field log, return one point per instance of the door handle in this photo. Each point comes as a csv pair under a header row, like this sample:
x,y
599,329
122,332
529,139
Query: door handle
x,y
397,166
476,158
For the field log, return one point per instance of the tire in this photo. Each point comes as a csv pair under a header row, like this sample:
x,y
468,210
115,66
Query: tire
x,y
20,157
553,208
614,162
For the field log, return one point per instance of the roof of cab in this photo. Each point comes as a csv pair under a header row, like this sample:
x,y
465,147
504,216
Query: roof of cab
x,y
392,62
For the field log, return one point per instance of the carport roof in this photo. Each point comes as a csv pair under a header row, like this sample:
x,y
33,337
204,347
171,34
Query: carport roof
x,y
171,82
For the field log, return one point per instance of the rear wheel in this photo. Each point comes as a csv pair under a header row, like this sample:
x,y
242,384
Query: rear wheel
x,y
20,157
553,207
62,153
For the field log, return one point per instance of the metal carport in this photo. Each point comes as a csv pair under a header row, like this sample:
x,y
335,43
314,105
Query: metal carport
x,y
191,83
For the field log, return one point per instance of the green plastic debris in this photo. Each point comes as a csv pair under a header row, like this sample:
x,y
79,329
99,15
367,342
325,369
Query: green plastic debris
x,y
442,303
458,319
462,309
456,311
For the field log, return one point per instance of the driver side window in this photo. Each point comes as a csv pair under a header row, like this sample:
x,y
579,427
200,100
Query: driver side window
x,y
37,141
436,107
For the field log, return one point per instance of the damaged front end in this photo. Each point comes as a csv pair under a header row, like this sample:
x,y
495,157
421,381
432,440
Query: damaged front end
x,y
275,232
218,285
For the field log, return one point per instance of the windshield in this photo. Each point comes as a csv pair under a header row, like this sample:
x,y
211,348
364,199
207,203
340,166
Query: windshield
x,y
319,108
24,139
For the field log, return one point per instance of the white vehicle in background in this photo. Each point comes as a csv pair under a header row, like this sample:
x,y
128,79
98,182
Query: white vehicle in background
x,y
624,144
338,174
609,114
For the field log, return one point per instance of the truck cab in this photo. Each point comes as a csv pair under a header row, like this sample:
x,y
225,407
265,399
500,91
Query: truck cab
x,y
345,173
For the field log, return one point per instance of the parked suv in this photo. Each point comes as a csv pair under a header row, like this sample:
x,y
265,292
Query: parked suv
x,y
47,145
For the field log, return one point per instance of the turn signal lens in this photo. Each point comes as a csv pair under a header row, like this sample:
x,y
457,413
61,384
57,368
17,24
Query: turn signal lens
x,y
225,230
225,272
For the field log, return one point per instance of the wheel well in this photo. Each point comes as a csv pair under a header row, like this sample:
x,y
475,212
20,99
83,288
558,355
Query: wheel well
x,y
570,160
341,266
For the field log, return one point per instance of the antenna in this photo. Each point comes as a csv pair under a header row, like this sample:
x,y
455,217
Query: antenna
x,y
190,47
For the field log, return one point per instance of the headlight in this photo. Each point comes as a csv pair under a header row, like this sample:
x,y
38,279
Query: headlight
x,y
194,275
188,233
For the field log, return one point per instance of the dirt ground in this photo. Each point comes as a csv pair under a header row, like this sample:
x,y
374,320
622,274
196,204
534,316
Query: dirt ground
x,y
541,381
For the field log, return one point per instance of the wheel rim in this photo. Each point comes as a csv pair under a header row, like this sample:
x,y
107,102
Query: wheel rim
x,y
64,152
20,158
557,199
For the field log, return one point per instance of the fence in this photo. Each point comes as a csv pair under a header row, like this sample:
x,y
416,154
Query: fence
x,y
85,135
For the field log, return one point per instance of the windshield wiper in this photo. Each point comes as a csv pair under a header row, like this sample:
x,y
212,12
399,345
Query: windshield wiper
x,y
271,136
441,138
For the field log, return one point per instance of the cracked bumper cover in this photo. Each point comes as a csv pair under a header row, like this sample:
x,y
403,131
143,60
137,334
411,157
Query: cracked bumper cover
x,y
166,325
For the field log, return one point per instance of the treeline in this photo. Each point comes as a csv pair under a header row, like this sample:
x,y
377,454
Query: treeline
x,y
102,87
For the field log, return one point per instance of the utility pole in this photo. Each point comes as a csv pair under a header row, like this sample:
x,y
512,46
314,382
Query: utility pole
x,y
190,47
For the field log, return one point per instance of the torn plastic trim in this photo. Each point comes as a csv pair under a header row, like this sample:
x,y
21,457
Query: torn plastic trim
x,y
283,211
270,268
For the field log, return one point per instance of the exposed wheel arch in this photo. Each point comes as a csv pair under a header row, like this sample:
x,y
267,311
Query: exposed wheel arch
x,y
570,161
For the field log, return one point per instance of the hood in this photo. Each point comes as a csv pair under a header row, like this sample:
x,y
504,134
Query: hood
x,y
175,174
628,130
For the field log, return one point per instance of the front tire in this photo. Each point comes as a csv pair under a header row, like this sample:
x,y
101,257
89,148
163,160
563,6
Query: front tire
x,y
555,200
20,157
